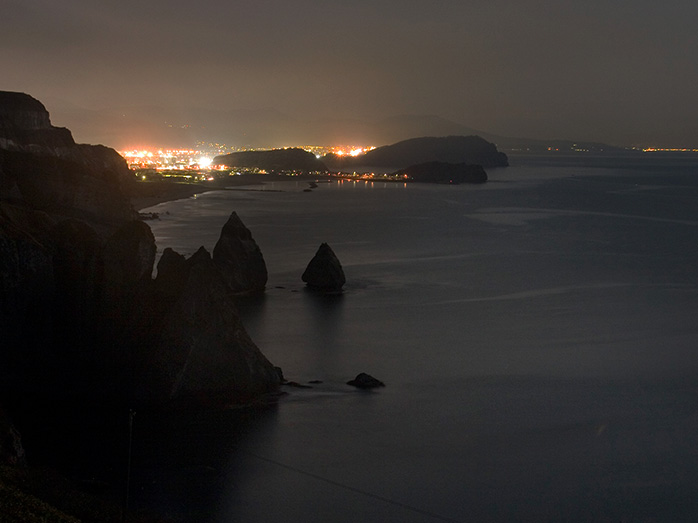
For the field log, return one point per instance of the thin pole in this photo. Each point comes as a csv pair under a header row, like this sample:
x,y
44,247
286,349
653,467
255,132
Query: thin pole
x,y
131,415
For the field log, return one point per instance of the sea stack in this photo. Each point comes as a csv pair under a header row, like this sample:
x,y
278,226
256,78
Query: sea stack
x,y
239,258
324,272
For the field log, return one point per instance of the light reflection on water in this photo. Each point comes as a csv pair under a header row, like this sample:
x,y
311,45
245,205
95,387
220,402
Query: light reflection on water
x,y
536,369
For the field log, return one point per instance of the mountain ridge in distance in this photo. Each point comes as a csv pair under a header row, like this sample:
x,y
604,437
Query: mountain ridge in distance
x,y
184,127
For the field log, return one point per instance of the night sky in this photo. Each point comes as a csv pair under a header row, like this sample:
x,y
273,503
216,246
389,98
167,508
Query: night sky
x,y
622,72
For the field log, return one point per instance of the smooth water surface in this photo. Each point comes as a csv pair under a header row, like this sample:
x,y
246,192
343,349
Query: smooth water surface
x,y
537,336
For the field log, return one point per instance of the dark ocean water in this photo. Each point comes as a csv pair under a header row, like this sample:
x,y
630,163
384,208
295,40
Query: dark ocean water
x,y
538,337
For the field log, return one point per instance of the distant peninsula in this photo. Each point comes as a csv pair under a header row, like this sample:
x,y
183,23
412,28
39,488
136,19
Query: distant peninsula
x,y
472,150
275,160
426,152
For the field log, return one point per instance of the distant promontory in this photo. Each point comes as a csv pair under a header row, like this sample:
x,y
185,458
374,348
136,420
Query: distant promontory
x,y
275,160
439,153
471,150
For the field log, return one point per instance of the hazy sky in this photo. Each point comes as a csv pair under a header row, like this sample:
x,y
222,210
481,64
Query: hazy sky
x,y
612,70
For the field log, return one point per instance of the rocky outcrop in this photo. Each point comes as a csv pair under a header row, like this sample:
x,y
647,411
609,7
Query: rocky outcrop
x,y
324,272
41,167
24,121
80,314
365,381
203,350
239,258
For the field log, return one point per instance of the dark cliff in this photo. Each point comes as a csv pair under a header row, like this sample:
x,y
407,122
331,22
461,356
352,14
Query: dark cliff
x,y
81,316
42,168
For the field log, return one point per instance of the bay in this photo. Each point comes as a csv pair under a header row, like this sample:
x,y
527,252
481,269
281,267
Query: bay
x,y
536,334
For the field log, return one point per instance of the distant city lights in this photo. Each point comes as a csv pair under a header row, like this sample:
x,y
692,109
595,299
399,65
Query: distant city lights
x,y
202,159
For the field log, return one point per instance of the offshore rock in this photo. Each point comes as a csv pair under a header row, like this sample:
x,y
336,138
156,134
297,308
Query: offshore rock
x,y
239,258
365,381
204,351
324,272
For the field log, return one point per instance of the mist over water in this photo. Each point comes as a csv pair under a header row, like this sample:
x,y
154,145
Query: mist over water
x,y
537,337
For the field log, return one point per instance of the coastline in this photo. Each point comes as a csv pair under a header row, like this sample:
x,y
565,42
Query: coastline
x,y
147,194
144,194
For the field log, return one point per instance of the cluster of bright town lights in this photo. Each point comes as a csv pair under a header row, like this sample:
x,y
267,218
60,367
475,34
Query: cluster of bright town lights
x,y
197,159
167,159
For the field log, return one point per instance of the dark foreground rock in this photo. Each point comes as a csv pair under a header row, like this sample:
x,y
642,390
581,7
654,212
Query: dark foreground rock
x,y
11,449
365,381
239,258
203,352
80,314
324,272
86,334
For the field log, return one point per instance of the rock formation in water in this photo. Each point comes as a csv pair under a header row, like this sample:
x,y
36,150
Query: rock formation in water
x,y
324,272
80,315
440,172
201,332
239,259
365,381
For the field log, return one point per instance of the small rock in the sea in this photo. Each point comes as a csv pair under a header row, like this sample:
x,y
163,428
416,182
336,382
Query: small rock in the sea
x,y
365,381
324,273
297,385
315,382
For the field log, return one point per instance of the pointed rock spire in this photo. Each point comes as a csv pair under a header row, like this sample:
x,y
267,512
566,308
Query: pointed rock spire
x,y
239,258
324,272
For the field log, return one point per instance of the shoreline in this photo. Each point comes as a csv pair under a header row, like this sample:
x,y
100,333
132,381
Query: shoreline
x,y
144,194
148,194
161,192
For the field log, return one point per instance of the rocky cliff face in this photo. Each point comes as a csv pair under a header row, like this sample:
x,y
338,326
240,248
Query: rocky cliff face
x,y
41,167
80,315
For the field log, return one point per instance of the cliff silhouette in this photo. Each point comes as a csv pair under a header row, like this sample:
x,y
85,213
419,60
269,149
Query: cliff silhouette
x,y
81,316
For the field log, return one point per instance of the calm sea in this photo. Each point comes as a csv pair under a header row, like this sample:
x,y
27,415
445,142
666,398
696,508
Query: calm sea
x,y
538,337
